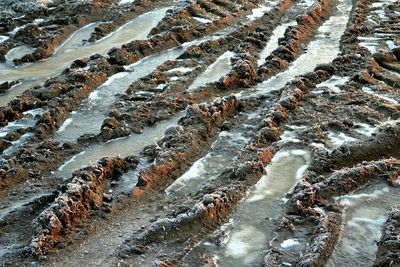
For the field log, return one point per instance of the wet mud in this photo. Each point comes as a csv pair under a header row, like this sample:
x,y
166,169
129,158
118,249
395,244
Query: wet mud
x,y
199,133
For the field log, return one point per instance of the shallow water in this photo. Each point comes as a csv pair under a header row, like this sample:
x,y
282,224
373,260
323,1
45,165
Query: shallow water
x,y
223,152
136,29
375,18
272,44
214,72
125,146
96,108
366,212
19,52
323,49
248,233
333,84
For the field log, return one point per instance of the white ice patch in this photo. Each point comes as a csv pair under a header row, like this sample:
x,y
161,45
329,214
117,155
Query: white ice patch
x,y
296,127
115,77
202,20
242,243
161,86
391,45
289,243
289,164
306,3
13,32
372,47
65,125
3,38
181,69
215,71
300,172
333,83
351,198
123,2
289,137
272,44
34,112
258,12
339,139
253,115
368,90
365,129
37,21
318,145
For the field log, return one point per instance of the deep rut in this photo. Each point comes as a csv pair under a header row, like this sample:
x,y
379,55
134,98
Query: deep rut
x,y
200,133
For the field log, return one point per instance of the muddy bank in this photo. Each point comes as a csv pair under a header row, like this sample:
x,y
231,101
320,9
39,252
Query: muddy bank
x,y
44,26
33,162
86,191
86,215
388,253
183,144
164,92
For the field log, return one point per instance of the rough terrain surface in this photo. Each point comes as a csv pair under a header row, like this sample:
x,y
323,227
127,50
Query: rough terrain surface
x,y
199,133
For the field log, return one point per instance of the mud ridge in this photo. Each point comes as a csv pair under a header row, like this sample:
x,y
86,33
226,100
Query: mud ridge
x,y
184,143
86,191
388,253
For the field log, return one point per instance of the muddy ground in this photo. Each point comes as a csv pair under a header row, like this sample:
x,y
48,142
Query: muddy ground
x,y
199,133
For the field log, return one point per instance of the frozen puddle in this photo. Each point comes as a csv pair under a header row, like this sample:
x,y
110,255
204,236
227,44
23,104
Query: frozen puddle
x,y
202,20
322,50
3,38
122,147
333,84
28,120
123,2
249,231
366,212
223,152
369,90
338,139
136,29
273,41
96,108
214,72
19,52
376,18
365,129
290,134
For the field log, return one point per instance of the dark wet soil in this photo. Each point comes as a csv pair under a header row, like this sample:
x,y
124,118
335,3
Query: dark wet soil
x,y
115,210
